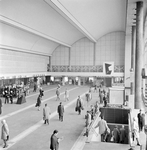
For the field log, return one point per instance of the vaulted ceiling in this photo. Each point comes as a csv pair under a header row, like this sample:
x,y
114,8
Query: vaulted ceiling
x,y
42,25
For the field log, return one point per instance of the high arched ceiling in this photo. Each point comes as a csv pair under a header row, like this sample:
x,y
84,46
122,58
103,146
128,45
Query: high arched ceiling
x,y
42,25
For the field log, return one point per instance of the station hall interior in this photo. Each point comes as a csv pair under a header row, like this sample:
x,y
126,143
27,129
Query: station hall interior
x,y
85,46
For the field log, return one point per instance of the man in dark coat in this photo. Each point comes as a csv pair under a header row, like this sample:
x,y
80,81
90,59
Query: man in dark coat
x,y
41,91
6,93
123,134
116,134
58,94
60,111
1,104
140,120
11,95
54,142
79,105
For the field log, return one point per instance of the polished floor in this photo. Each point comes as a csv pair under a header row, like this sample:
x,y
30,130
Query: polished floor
x,y
28,131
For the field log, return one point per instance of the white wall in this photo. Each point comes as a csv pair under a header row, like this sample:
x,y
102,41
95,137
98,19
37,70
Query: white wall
x,y
82,53
19,62
110,47
60,56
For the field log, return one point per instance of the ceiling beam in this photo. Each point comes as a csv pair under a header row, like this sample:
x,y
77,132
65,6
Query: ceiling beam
x,y
23,50
55,4
30,30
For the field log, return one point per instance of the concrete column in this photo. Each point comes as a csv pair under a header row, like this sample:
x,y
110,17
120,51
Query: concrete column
x,y
79,81
84,80
94,54
63,80
138,58
69,59
50,62
133,48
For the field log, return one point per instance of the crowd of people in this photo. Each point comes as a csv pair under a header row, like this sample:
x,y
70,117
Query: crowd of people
x,y
14,91
118,135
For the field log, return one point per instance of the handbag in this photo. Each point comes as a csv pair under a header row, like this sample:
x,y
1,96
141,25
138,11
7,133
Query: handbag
x,y
112,139
7,137
76,109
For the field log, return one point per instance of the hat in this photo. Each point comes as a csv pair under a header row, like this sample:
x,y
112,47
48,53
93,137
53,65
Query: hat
x,y
3,121
55,131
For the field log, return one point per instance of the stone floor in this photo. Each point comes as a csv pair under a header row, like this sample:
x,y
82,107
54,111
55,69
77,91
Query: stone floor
x,y
27,131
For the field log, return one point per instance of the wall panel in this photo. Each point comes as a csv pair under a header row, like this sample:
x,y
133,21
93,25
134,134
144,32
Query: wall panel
x,y
111,47
20,62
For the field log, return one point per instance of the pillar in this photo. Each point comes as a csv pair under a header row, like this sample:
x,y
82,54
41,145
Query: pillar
x,y
69,59
94,54
63,80
50,63
79,81
138,58
133,48
84,80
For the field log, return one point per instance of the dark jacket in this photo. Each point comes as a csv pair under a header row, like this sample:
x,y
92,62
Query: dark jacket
x,y
38,101
54,144
1,104
60,110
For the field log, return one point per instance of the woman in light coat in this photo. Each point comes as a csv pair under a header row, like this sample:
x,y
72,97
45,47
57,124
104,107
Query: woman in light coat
x,y
46,114
88,119
4,133
66,95
135,130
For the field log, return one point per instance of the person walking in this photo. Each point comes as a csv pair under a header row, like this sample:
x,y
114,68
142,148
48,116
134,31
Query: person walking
x,y
60,111
135,131
79,105
11,94
1,104
66,95
35,87
105,100
58,94
116,134
103,129
140,120
46,114
96,107
41,91
38,104
6,94
88,119
4,133
101,95
123,134
54,141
